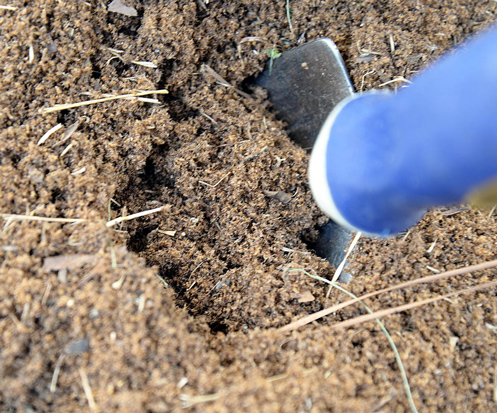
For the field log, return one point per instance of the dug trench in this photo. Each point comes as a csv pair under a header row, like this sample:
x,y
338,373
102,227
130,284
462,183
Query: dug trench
x,y
231,225
236,221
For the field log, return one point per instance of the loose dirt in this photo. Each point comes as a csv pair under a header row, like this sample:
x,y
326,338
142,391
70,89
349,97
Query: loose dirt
x,y
180,308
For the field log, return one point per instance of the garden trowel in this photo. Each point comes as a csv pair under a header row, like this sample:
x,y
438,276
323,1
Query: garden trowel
x,y
304,85
381,159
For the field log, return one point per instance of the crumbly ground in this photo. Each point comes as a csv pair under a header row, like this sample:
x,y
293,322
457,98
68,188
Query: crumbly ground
x,y
180,308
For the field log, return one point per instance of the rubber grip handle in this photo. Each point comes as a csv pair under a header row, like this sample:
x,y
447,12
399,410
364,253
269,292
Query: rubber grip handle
x,y
382,159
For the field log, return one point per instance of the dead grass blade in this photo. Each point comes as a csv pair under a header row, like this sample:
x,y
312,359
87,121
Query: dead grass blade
x,y
190,401
382,313
432,278
400,364
16,217
69,261
402,370
64,106
49,133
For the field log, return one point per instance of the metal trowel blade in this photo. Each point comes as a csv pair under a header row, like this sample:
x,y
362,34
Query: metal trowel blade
x,y
304,85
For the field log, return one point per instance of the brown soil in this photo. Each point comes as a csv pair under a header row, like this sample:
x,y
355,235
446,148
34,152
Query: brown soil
x,y
159,320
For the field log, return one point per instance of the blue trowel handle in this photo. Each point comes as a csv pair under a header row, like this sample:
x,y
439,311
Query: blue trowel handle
x,y
382,159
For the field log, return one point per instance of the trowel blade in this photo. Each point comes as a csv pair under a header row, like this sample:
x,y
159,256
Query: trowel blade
x,y
304,85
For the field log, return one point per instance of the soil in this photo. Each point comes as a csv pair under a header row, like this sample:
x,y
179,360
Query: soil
x,y
180,308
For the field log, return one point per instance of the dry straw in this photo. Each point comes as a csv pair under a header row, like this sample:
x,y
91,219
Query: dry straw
x,y
65,106
432,278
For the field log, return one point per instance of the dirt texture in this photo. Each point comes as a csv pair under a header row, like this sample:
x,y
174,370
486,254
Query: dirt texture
x,y
180,308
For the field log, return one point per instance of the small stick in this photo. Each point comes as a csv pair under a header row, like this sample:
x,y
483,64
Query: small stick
x,y
18,324
90,274
64,106
397,79
205,115
87,389
277,377
113,257
25,312
191,286
217,183
392,43
492,211
250,157
170,233
55,376
363,77
141,303
67,149
133,216
433,269
46,294
252,39
149,100
145,64
31,54
189,401
432,246
79,171
405,236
